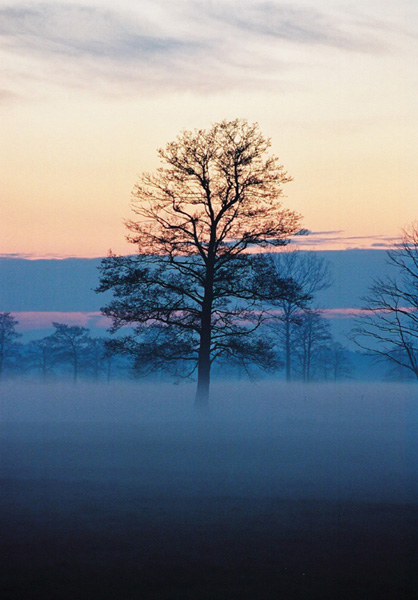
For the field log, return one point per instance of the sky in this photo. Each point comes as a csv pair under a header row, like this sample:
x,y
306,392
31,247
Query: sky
x,y
90,90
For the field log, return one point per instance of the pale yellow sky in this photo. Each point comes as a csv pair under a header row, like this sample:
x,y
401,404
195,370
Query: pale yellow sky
x,y
89,91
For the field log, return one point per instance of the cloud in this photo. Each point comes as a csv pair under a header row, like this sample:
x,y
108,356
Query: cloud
x,y
331,232
82,32
7,96
300,25
342,313
87,46
40,256
162,46
30,320
336,240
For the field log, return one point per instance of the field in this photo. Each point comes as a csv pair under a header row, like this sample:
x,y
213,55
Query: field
x,y
124,491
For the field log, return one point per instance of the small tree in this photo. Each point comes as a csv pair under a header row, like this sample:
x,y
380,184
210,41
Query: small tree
x,y
8,341
193,284
313,337
70,344
336,361
96,356
311,274
42,355
117,361
389,327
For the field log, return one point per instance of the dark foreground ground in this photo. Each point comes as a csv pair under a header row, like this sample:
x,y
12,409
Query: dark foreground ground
x,y
179,531
305,505
89,541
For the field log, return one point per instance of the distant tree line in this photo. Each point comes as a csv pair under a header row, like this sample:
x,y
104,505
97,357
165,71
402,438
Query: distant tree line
x,y
70,351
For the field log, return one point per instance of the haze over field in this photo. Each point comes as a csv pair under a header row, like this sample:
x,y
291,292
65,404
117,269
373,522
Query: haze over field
x,y
340,442
300,491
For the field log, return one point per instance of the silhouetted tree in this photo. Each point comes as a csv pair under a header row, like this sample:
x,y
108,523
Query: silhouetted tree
x,y
388,328
8,341
118,361
42,355
70,344
313,337
193,283
335,361
96,356
397,372
311,274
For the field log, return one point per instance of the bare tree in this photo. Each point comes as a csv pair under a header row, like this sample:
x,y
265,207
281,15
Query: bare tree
x,y
8,340
313,337
42,355
388,329
397,372
311,274
216,195
335,361
70,343
96,356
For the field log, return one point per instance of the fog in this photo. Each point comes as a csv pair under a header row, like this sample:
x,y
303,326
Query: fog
x,y
347,441
277,491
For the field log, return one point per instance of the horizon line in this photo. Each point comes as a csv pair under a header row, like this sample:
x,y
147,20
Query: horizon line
x,y
324,241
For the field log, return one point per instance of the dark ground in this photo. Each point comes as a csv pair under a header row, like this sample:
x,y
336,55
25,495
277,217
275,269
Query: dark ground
x,y
90,541
200,512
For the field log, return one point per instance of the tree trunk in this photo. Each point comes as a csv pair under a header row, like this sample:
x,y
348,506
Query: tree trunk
x,y
309,354
44,365
308,362
287,334
204,363
75,366
203,381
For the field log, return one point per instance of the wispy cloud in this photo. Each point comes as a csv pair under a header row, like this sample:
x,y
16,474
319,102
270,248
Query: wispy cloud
x,y
44,319
35,320
299,25
42,256
7,96
189,45
83,31
336,240
342,313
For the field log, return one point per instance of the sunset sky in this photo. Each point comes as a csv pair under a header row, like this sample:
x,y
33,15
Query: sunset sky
x,y
89,90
